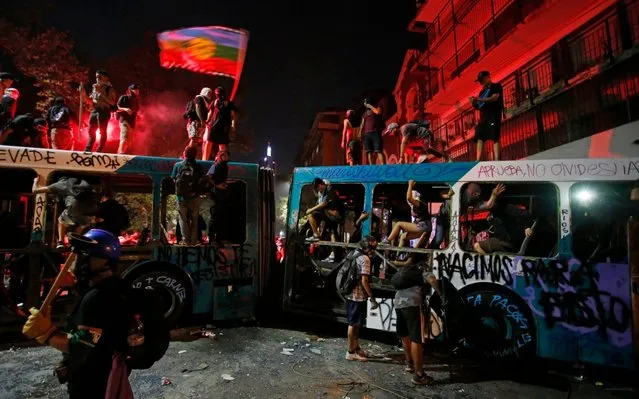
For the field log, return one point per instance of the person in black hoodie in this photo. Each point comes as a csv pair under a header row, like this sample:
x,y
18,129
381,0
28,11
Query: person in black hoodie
x,y
59,120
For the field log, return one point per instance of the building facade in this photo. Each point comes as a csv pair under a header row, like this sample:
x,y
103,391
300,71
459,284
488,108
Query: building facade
x,y
569,69
322,144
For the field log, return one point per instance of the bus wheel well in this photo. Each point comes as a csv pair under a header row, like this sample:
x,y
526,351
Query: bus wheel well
x,y
173,284
502,324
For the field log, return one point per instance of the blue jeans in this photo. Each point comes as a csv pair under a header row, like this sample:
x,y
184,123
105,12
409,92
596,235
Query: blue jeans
x,y
440,231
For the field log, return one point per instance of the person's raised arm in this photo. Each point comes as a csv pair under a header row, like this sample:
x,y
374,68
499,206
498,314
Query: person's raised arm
x,y
409,194
490,204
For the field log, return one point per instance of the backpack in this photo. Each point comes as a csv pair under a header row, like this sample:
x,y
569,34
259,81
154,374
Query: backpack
x,y
407,277
348,274
186,183
59,114
144,303
191,112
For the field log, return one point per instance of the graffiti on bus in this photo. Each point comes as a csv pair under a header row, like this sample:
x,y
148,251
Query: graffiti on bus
x,y
207,263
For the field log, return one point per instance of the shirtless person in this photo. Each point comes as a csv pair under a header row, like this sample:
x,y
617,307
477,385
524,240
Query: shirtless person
x,y
351,140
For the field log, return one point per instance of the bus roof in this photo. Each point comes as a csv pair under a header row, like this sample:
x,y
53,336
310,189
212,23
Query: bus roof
x,y
619,169
37,158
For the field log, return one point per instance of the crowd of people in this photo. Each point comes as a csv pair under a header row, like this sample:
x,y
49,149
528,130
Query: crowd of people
x,y
210,118
509,226
369,131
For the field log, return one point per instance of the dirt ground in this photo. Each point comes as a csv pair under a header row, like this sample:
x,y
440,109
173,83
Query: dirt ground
x,y
315,368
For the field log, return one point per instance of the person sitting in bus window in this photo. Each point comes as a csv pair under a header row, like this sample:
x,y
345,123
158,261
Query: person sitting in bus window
x,y
419,227
329,209
442,224
356,300
112,216
507,222
80,204
357,234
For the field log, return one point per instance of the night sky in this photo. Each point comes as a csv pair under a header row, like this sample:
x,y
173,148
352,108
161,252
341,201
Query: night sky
x,y
302,57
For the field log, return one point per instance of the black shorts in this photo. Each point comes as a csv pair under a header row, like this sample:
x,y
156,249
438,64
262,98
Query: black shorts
x,y
354,152
373,142
219,135
409,323
494,244
355,312
330,222
488,130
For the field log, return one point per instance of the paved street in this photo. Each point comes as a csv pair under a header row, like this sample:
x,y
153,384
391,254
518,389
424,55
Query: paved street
x,y
253,357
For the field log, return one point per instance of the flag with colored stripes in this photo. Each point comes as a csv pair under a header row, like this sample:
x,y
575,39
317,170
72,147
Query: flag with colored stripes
x,y
213,50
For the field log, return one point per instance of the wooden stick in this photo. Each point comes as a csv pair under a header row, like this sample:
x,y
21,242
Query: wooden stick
x,y
44,309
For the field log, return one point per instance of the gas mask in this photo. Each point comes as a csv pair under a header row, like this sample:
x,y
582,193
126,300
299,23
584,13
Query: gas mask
x,y
84,273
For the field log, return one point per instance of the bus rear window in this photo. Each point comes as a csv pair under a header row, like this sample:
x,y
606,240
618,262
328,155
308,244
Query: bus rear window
x,y
599,221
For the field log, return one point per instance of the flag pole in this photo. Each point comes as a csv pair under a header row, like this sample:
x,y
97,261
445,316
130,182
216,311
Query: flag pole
x,y
240,62
76,138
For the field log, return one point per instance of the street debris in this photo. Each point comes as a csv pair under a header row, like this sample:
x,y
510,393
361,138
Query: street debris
x,y
182,351
289,349
316,351
283,343
287,353
227,377
166,381
199,367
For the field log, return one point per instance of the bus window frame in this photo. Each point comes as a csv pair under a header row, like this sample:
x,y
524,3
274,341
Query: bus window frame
x,y
54,175
30,194
366,222
557,191
163,206
450,216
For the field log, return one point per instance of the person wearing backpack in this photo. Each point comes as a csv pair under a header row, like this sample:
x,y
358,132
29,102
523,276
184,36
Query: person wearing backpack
x,y
196,115
128,108
409,282
187,175
95,339
353,282
103,100
59,118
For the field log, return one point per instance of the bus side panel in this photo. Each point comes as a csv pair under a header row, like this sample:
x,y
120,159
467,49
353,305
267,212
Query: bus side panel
x,y
295,194
582,311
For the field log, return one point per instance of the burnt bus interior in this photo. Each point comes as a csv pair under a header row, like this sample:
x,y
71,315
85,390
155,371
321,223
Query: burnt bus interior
x,y
232,221
541,200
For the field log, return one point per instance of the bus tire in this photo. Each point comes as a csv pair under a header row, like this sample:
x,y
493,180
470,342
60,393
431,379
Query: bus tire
x,y
172,284
500,324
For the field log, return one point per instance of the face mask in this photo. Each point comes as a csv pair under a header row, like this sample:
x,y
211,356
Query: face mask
x,y
84,273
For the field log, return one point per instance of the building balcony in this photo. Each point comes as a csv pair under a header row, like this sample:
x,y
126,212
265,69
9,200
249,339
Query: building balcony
x,y
501,42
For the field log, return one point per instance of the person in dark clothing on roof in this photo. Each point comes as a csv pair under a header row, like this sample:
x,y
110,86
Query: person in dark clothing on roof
x,y
25,131
59,120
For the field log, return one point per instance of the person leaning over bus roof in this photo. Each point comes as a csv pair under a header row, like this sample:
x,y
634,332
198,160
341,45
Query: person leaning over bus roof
x,y
329,209
507,222
80,204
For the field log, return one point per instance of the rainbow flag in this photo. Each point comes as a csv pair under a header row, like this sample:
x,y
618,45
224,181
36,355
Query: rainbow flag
x,y
213,50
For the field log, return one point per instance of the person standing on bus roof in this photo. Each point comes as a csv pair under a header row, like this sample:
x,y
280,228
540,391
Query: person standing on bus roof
x,y
490,104
186,175
351,140
103,100
356,301
221,122
329,209
59,119
128,108
371,131
411,133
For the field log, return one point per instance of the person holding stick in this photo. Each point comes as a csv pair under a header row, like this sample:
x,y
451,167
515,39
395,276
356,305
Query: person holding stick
x,y
98,327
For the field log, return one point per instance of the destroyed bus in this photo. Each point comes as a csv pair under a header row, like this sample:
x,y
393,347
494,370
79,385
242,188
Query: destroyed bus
x,y
222,278
567,292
